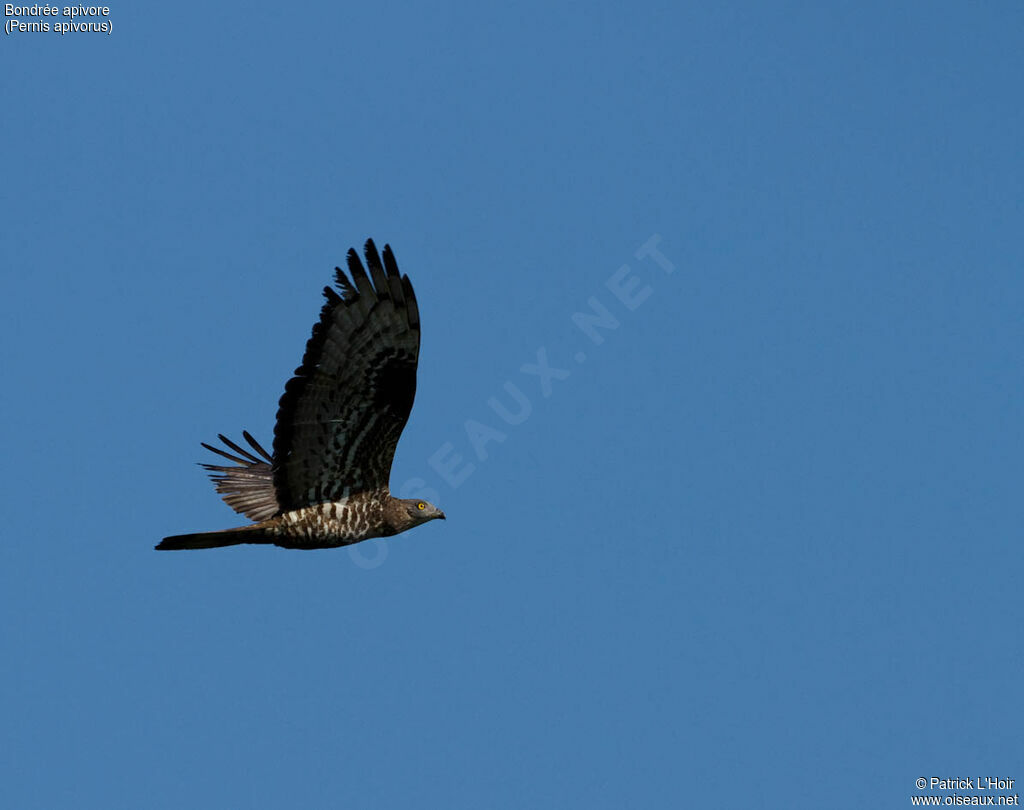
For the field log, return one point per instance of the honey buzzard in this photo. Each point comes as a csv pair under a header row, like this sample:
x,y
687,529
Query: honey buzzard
x,y
338,423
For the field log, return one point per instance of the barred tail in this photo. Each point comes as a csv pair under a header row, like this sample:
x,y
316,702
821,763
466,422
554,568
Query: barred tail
x,y
226,537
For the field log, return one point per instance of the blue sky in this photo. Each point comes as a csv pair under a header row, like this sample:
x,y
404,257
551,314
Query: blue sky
x,y
759,546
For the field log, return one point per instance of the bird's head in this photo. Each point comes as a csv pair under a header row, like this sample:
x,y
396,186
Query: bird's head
x,y
421,511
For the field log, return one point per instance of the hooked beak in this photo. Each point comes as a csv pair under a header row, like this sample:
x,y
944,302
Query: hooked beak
x,y
440,515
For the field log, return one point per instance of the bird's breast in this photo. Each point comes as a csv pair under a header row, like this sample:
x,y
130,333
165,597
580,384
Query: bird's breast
x,y
330,524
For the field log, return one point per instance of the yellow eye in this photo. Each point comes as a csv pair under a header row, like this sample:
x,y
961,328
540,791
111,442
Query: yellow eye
x,y
421,506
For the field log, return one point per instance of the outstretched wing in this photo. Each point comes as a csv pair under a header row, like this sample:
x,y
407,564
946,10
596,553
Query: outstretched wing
x,y
248,485
341,415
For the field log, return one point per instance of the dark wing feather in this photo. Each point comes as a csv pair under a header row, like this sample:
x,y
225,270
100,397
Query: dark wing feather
x,y
248,487
341,415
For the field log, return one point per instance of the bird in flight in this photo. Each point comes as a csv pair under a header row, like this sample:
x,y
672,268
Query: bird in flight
x,y
338,423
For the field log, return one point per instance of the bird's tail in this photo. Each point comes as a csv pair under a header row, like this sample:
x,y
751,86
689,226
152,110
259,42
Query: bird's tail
x,y
225,537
